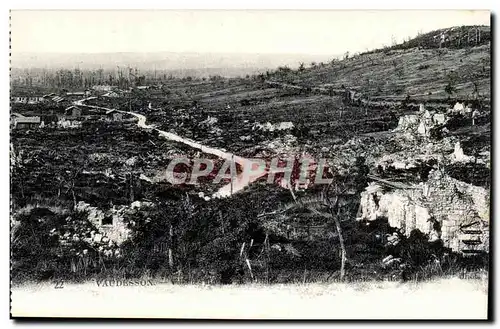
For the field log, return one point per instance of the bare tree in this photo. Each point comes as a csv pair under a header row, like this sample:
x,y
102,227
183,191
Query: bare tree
x,y
332,202
336,192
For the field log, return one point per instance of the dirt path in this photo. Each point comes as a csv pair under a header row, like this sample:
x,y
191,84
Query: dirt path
x,y
362,100
237,184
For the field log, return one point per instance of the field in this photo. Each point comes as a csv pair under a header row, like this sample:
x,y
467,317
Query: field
x,y
67,182
446,298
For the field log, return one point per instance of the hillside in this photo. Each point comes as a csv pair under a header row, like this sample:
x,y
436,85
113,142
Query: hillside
x,y
413,177
454,37
418,68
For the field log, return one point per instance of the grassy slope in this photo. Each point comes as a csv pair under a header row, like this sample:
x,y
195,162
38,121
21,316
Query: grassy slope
x,y
413,71
421,72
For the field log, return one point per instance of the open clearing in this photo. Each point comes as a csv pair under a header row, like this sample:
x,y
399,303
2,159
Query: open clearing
x,y
450,298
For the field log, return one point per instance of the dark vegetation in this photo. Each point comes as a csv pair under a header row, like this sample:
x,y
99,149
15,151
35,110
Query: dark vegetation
x,y
206,246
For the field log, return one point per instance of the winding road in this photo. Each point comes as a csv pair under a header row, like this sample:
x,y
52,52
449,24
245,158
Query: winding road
x,y
238,183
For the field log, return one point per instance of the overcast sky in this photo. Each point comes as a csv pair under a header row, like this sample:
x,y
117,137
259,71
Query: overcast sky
x,y
312,32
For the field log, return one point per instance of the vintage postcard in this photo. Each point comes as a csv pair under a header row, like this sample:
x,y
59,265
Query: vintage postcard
x,y
251,164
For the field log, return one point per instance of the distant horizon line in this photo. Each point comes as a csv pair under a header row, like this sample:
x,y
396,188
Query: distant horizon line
x,y
172,52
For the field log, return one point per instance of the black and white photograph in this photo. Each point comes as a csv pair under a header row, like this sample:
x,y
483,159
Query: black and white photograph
x,y
250,164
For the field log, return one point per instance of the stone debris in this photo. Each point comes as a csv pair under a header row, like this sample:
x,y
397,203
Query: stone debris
x,y
421,123
117,230
210,123
100,157
63,123
202,195
390,261
273,127
140,204
460,108
407,122
458,154
286,145
393,239
145,178
131,161
439,118
98,237
77,231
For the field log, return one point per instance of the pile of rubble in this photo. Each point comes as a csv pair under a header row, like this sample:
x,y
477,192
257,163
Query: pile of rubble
x,y
110,224
286,146
210,123
421,123
73,124
75,232
414,153
282,126
445,206
458,155
462,109
103,231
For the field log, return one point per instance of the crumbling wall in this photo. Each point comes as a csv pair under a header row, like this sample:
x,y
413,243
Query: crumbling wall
x,y
116,231
460,108
454,211
398,206
408,122
457,206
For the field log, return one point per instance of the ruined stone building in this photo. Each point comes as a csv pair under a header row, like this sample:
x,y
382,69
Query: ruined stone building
x,y
442,207
110,224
